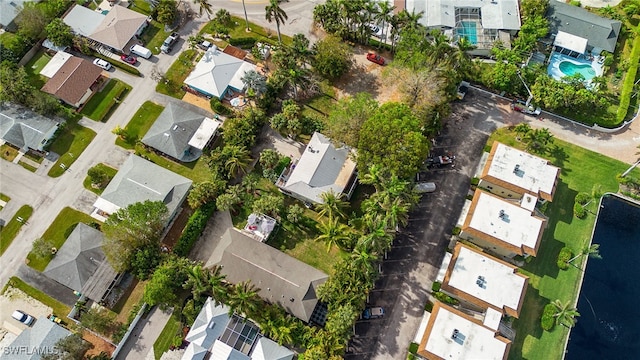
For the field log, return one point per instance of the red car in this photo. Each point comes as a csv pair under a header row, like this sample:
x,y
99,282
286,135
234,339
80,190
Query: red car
x,y
129,59
375,58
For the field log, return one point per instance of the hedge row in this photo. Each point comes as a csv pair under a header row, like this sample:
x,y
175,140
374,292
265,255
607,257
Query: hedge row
x,y
243,42
194,228
119,64
547,321
629,80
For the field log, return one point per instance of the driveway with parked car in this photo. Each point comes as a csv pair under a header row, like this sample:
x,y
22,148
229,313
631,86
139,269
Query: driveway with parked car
x,y
14,299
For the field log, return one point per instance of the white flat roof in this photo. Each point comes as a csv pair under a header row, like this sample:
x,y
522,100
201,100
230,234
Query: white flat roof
x,y
492,319
533,173
528,202
517,226
486,279
55,64
473,341
501,15
571,42
444,267
205,131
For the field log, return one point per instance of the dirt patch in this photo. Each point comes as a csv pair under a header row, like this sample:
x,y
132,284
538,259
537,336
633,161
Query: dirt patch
x,y
16,299
366,76
198,101
177,227
99,344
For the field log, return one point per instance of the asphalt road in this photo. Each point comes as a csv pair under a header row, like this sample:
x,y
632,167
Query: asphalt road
x,y
412,264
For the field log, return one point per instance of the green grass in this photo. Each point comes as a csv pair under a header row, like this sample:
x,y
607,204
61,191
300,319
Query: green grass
x,y
581,169
57,234
111,172
237,30
27,166
8,152
139,124
4,197
58,308
171,330
153,36
320,104
198,171
69,145
11,229
629,80
179,70
34,66
102,104
128,301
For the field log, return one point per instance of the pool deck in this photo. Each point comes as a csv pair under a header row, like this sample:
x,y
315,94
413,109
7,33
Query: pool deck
x,y
556,58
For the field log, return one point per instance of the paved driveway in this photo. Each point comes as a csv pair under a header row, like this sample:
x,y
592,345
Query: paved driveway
x,y
412,263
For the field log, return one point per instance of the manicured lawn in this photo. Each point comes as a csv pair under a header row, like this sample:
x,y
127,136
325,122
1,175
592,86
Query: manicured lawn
x,y
581,170
102,104
4,197
111,172
58,308
198,171
179,70
8,152
11,229
69,145
237,31
171,331
128,301
320,104
153,36
57,234
139,124
34,66
27,166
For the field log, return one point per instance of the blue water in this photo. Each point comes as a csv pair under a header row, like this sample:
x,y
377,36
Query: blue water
x,y
570,69
609,322
468,29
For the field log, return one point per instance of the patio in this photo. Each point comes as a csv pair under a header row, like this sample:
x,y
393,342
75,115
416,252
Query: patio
x,y
561,65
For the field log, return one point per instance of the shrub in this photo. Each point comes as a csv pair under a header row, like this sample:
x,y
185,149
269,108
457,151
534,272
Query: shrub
x,y
583,198
456,231
547,320
475,181
282,164
436,286
575,3
217,106
194,228
243,42
428,307
629,80
563,258
445,298
413,348
579,211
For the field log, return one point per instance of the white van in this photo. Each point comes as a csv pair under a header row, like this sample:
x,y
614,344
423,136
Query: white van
x,y
141,51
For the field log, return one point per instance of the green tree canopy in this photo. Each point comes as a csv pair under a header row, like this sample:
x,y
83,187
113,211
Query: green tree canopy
x,y
392,139
167,281
167,11
333,57
347,116
59,33
131,228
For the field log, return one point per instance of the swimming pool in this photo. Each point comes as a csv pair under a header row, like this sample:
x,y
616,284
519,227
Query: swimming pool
x,y
569,69
468,29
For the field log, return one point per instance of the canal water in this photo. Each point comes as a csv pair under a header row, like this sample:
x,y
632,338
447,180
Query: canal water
x,y
609,302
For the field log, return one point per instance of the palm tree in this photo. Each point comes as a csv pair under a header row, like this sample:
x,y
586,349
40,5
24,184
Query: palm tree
x,y
275,13
244,298
197,281
522,129
374,176
539,139
204,7
332,205
385,12
396,213
377,239
592,251
565,314
254,81
246,19
333,233
219,288
364,260
238,159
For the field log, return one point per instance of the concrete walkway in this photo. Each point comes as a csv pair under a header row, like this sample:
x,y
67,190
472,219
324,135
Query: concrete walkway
x,y
140,344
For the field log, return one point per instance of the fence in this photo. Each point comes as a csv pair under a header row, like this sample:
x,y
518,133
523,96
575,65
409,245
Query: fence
x,y
129,330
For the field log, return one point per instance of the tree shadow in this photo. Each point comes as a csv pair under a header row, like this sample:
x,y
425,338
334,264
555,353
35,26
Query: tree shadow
x,y
528,325
559,156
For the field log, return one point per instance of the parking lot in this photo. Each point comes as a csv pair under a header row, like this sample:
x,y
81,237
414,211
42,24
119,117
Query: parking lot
x,y
411,265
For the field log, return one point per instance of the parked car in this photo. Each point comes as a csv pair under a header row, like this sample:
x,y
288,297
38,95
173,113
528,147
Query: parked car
x,y
102,63
424,187
204,45
140,51
462,90
23,317
168,43
523,108
374,312
375,30
129,59
375,58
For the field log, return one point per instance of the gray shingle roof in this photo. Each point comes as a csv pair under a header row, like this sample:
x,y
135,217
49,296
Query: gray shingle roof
x,y
76,264
281,278
118,27
601,32
83,21
41,337
139,180
172,130
24,128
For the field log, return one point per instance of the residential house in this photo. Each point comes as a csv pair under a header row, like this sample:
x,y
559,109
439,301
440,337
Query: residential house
x,y
453,335
323,167
511,173
75,81
25,129
217,335
54,65
180,133
482,22
577,31
139,180
117,30
80,264
33,342
485,284
9,10
218,74
503,227
281,278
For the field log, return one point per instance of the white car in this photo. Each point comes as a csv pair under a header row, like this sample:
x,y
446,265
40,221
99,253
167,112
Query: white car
x,y
425,187
22,317
101,63
375,30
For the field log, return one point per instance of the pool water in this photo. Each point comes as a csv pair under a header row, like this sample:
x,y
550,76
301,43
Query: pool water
x,y
609,326
468,29
568,68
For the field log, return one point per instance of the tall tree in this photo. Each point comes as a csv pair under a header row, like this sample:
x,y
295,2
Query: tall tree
x,y
219,288
333,233
244,299
332,57
333,205
131,228
238,159
167,281
197,281
204,6
254,82
275,13
167,12
565,314
347,116
592,251
59,33
385,12
246,18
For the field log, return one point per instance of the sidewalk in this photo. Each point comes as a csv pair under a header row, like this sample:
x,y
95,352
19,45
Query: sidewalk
x,y
140,344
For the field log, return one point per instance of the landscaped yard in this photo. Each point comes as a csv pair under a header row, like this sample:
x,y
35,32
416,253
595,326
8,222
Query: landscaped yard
x,y
153,36
128,301
102,104
57,234
169,335
59,309
237,31
8,152
198,171
69,145
138,126
111,172
11,229
34,66
178,71
581,170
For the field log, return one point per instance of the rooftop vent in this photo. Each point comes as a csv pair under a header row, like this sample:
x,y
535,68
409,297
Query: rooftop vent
x,y
516,168
501,214
455,333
